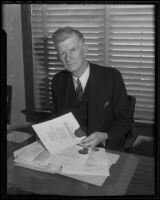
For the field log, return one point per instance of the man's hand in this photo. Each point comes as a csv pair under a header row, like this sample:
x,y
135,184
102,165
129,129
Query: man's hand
x,y
94,139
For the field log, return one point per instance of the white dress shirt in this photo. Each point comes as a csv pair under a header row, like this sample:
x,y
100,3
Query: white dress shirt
x,y
83,78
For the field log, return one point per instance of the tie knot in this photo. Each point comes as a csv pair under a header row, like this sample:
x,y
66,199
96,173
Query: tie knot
x,y
79,82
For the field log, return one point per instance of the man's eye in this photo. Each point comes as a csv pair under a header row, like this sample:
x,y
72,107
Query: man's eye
x,y
62,54
74,49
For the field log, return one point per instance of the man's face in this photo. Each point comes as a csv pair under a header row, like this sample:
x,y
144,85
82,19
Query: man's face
x,y
72,53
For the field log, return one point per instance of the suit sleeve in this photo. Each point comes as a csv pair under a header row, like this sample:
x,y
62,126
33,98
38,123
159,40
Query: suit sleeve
x,y
122,114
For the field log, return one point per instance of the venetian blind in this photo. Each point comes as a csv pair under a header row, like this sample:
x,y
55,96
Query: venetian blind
x,y
121,36
130,48
45,19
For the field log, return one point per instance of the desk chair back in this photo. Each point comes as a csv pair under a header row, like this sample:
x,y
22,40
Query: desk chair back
x,y
131,135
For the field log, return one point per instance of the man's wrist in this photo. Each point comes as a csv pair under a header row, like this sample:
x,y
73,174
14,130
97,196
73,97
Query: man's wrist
x,y
105,136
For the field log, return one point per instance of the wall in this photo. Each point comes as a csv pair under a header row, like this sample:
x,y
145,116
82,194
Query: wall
x,y
11,23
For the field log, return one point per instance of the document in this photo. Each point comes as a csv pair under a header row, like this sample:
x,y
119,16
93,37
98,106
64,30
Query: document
x,y
36,155
97,164
30,152
112,158
58,151
59,133
18,136
28,148
70,157
98,155
91,166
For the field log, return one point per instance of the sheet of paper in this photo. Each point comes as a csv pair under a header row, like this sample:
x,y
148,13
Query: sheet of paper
x,y
34,156
30,152
33,145
98,155
58,134
50,169
97,164
112,158
73,162
73,157
18,136
89,169
42,157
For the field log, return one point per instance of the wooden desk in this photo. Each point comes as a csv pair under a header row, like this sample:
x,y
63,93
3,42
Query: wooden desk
x,y
132,175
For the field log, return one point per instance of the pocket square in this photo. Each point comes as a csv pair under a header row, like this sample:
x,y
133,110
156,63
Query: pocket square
x,y
106,104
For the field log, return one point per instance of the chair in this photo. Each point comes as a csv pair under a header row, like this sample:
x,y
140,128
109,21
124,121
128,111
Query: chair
x,y
131,134
144,145
135,142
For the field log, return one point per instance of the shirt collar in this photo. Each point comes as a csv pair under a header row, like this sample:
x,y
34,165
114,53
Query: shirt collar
x,y
83,78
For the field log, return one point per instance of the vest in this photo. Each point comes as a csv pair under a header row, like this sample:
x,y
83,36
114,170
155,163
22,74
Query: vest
x,y
79,108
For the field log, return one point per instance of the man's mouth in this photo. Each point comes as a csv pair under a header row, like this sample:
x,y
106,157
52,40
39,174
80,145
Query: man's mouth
x,y
70,63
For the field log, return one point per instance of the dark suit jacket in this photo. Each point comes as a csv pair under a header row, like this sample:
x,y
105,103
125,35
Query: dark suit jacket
x,y
108,108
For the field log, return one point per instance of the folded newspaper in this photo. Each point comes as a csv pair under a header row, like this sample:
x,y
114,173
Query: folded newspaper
x,y
70,159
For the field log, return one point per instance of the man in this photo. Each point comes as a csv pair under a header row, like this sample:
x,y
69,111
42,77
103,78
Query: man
x,y
101,104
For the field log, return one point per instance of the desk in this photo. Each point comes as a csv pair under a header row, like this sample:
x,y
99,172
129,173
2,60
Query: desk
x,y
132,175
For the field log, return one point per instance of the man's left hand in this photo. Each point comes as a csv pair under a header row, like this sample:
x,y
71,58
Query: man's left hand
x,y
94,139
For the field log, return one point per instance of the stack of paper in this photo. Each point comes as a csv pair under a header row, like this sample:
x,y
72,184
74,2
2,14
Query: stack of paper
x,y
36,155
58,151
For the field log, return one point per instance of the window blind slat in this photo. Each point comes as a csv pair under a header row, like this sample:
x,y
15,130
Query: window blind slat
x,y
134,29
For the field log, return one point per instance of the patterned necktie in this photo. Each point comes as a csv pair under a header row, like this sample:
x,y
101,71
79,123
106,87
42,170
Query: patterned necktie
x,y
79,90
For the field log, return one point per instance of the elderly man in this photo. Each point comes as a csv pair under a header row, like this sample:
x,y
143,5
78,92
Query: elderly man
x,y
96,95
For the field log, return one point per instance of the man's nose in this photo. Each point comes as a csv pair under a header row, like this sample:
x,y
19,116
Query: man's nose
x,y
68,56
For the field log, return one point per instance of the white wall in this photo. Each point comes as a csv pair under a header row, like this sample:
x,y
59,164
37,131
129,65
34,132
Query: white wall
x,y
11,19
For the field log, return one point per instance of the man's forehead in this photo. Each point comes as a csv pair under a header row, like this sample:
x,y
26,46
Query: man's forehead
x,y
72,41
65,36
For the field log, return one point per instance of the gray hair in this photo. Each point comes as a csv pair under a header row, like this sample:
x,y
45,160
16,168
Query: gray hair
x,y
62,34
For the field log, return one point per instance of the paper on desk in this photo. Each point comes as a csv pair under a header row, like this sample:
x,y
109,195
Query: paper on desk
x,y
89,169
70,157
97,164
112,158
58,134
29,152
29,147
18,136
35,166
98,155
33,156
